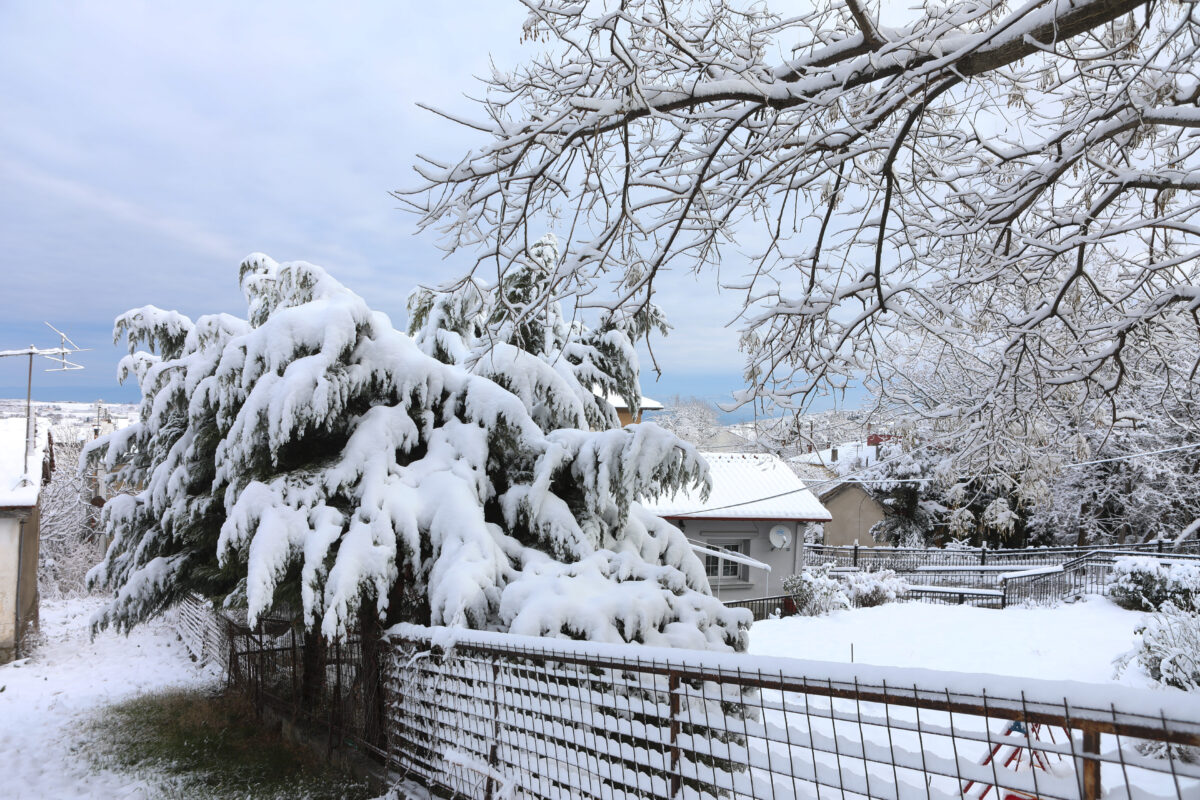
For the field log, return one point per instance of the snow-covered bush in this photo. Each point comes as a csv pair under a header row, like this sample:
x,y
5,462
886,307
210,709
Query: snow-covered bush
x,y
1142,583
1169,650
815,592
867,589
312,455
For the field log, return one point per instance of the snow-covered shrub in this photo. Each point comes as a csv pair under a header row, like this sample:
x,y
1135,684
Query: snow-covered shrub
x,y
1142,583
815,591
313,456
867,589
1169,650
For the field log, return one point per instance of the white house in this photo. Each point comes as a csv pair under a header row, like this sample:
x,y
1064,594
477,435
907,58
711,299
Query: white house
x,y
752,520
22,476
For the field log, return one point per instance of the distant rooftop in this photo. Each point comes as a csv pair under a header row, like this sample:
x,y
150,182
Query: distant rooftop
x,y
746,486
618,402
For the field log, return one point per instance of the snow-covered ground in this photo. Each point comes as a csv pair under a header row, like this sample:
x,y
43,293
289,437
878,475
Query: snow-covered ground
x,y
1073,642
47,699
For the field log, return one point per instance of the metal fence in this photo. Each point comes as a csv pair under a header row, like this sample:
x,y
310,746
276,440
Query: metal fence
x,y
202,631
1087,574
902,559
782,605
327,690
486,715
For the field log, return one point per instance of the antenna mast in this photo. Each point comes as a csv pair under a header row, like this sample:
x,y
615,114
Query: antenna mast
x,y
59,356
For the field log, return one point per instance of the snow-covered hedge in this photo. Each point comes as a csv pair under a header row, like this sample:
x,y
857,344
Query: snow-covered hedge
x,y
815,591
867,589
1142,583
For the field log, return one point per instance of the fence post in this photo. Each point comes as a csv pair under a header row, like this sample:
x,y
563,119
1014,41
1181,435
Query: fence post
x,y
856,554
983,555
1090,767
494,751
673,688
1160,544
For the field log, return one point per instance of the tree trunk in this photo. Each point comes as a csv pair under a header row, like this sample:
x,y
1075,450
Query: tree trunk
x,y
312,680
370,675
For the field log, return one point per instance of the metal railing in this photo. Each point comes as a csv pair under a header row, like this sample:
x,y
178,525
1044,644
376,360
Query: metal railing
x,y
1084,575
782,605
326,690
901,559
489,715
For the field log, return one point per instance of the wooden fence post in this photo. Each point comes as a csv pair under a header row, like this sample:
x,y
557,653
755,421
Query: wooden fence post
x,y
1090,767
673,688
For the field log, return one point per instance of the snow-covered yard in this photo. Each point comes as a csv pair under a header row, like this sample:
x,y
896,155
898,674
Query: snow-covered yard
x,y
1078,641
47,700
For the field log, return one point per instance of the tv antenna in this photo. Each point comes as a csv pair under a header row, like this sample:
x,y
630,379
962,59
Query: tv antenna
x,y
59,356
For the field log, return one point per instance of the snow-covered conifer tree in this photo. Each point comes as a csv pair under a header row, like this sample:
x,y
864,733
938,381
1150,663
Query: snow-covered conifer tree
x,y
314,455
494,329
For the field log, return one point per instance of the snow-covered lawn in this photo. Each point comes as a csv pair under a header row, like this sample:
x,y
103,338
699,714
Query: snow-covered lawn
x,y
1074,642
47,700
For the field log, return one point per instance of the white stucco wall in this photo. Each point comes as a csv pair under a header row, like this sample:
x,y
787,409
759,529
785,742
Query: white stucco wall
x,y
10,531
759,583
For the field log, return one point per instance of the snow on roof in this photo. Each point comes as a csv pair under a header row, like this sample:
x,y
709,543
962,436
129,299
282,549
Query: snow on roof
x,y
618,402
746,486
847,451
18,490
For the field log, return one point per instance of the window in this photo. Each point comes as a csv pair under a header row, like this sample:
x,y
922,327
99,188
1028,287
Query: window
x,y
725,569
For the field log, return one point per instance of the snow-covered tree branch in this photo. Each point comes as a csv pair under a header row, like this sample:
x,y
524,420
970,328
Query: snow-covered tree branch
x,y
312,456
1013,184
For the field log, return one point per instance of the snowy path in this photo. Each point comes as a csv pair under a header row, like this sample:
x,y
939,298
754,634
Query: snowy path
x,y
47,700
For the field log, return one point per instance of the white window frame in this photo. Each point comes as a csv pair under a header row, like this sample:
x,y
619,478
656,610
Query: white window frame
x,y
742,546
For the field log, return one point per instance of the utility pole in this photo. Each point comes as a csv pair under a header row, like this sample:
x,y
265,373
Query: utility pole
x,y
59,356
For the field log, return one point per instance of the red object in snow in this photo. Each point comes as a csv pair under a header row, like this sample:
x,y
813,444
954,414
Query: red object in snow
x,y
1015,757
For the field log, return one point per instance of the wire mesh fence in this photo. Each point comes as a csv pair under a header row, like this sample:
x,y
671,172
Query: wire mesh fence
x,y
494,715
202,631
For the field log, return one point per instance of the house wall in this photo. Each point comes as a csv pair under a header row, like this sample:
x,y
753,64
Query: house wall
x,y
758,583
854,512
18,570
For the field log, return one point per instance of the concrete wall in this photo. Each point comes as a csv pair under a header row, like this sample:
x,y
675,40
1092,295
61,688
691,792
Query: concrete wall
x,y
854,512
18,570
757,583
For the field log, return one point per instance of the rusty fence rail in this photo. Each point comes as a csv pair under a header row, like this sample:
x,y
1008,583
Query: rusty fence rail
x,y
476,714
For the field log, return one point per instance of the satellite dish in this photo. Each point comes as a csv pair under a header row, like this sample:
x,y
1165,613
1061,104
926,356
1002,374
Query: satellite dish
x,y
780,537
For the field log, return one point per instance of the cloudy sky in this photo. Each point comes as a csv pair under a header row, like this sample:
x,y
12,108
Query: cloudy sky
x,y
145,148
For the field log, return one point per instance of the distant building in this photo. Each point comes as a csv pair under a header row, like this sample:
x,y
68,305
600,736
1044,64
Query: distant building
x,y
20,493
852,507
625,415
754,518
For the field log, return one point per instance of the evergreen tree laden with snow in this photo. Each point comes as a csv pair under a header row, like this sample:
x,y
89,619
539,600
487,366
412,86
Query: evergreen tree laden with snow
x,y
484,328
313,455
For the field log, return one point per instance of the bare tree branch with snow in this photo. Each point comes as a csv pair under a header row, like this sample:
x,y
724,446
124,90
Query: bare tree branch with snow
x,y
1012,185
